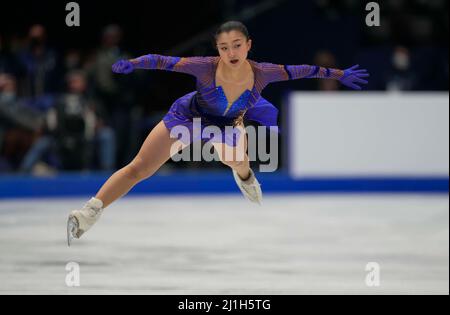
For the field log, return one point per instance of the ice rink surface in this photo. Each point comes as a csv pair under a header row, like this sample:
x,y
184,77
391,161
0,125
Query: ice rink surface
x,y
293,244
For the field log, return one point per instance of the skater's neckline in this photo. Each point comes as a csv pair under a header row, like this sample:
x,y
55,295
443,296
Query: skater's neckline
x,y
219,87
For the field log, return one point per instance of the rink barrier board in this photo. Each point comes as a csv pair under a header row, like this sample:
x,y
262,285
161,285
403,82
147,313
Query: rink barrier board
x,y
179,183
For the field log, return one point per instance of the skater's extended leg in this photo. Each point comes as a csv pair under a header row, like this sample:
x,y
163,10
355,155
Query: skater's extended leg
x,y
156,150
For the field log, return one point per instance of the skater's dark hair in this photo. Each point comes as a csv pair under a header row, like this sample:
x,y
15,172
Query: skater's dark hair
x,y
232,26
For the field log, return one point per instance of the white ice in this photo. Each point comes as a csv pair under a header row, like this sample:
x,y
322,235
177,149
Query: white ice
x,y
293,244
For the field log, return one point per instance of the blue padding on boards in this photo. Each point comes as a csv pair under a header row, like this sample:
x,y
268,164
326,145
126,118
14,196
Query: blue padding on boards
x,y
218,183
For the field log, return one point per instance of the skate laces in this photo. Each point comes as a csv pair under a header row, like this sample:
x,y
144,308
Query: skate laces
x,y
91,211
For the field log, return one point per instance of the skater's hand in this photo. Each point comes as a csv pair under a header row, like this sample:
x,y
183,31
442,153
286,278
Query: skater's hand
x,y
354,76
123,66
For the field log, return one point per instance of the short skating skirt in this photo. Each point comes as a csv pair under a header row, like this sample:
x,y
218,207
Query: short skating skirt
x,y
184,111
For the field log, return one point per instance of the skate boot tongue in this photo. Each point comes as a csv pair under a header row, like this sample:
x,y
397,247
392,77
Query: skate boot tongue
x,y
95,203
94,206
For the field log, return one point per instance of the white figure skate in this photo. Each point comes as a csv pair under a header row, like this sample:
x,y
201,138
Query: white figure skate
x,y
250,188
80,221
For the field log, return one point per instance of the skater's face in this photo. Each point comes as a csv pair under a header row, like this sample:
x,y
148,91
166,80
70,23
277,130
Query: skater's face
x,y
233,48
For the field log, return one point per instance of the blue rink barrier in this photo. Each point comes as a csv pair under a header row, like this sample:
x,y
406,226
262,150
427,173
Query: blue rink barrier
x,y
185,182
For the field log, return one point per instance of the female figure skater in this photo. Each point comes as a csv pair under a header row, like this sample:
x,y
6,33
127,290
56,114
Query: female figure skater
x,y
228,91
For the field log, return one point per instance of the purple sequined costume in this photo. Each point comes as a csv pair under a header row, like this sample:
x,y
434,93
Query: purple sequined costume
x,y
209,101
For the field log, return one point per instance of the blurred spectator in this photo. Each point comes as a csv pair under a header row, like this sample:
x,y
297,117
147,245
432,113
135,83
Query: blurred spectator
x,y
74,132
12,110
40,63
72,60
116,92
18,124
400,76
107,84
8,88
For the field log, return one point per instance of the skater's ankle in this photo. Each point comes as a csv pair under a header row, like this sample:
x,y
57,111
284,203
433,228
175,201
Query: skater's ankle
x,y
95,203
246,178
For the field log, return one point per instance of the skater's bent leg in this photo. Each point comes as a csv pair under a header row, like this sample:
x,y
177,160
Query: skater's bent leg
x,y
235,157
155,151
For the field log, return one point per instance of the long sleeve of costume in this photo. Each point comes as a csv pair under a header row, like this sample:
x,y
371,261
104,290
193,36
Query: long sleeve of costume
x,y
277,73
195,66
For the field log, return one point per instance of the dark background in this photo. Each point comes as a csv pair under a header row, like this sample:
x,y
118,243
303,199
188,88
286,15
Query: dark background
x,y
324,32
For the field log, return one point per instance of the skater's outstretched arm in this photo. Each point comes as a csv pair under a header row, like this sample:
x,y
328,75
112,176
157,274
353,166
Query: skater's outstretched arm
x,y
351,77
190,65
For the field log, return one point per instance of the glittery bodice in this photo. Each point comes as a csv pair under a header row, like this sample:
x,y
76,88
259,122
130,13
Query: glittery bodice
x,y
230,109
